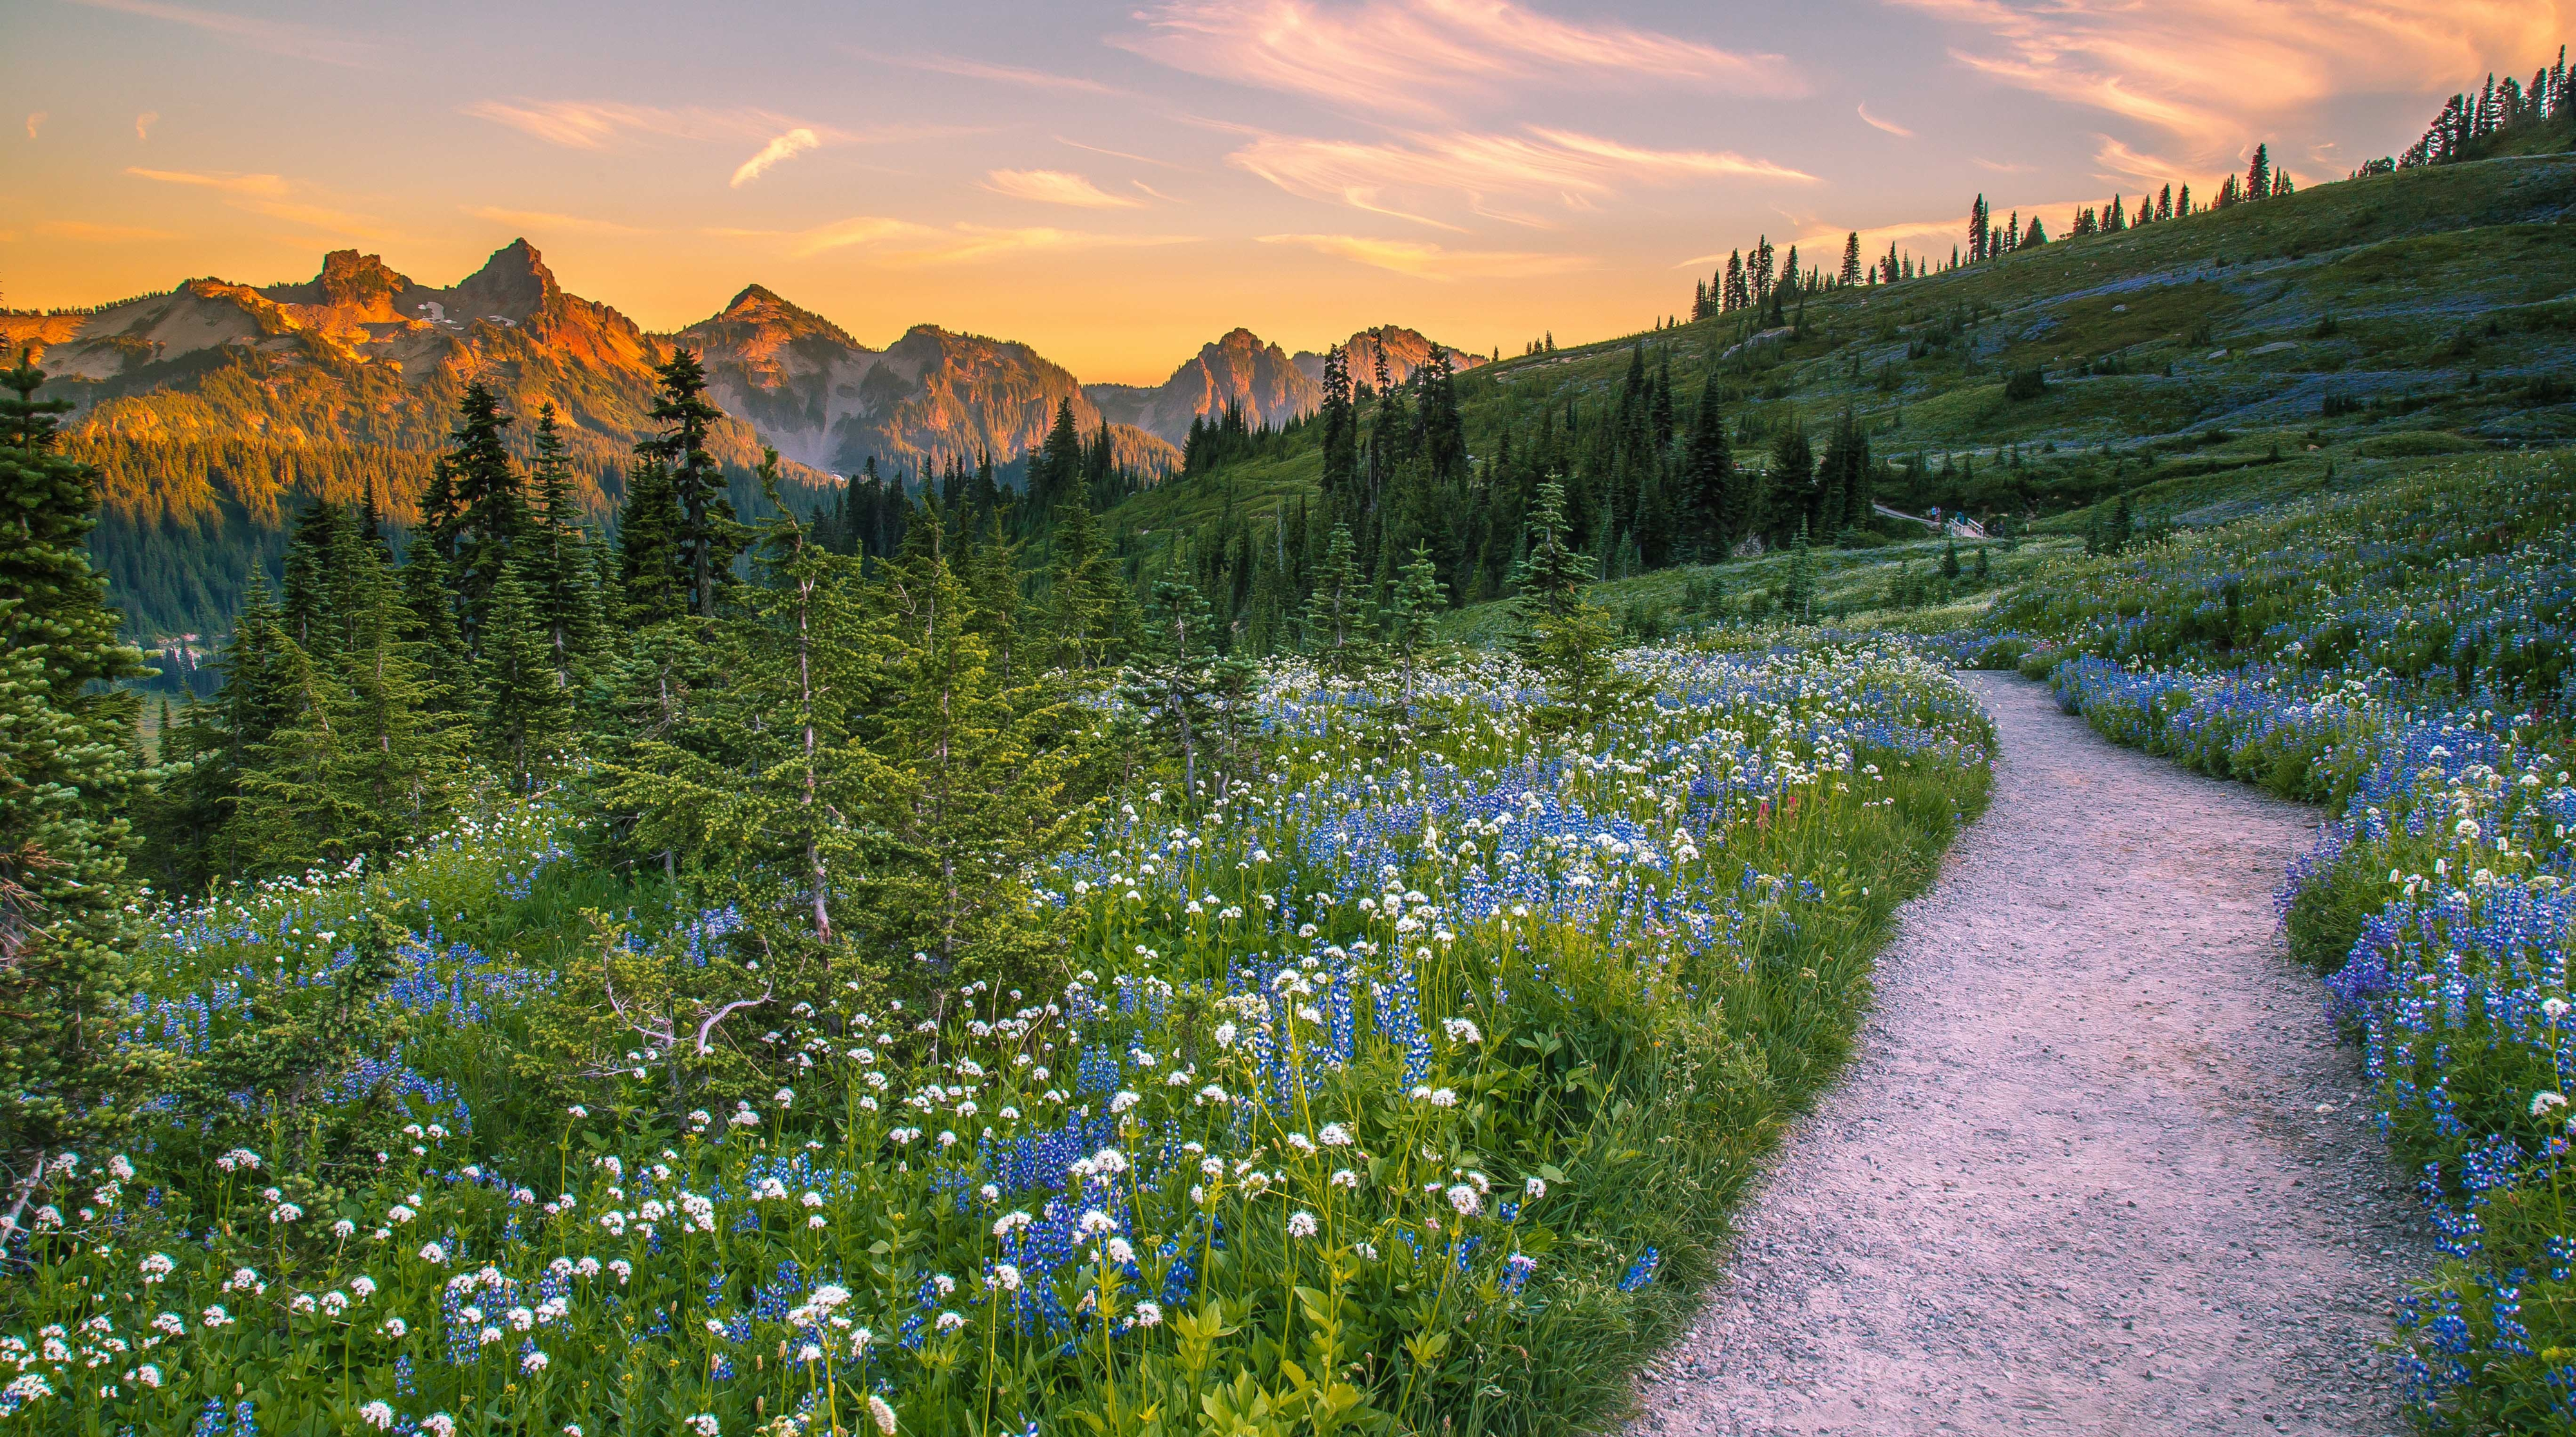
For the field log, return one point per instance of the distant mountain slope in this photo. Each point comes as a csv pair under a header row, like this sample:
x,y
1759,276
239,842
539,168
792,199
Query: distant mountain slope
x,y
215,409
1237,370
359,357
829,401
1405,350
2199,367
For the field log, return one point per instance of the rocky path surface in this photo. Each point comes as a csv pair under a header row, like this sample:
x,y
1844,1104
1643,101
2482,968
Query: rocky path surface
x,y
2099,1165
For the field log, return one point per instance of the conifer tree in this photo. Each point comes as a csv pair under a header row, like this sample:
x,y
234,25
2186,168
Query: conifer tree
x,y
653,573
475,511
1082,590
970,775
356,764
1057,471
1341,432
401,762
562,579
1801,584
1555,630
1340,627
1789,487
528,709
1418,602
708,538
1711,517
1851,258
289,815
311,547
430,603
2258,174
66,775
1169,678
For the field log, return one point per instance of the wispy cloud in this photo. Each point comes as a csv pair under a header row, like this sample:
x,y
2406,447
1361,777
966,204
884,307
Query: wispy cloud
x,y
1017,75
271,195
1056,187
1431,261
549,222
1121,154
1397,177
2213,74
904,243
144,122
35,122
277,37
596,125
1875,123
101,234
782,147
345,224
271,186
1415,57
2120,161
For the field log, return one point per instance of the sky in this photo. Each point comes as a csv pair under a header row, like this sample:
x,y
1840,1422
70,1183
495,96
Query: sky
x,y
1116,184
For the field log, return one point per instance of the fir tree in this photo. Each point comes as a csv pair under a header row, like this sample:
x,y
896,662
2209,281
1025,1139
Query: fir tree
x,y
971,779
475,511
2258,175
1082,590
708,538
311,547
66,775
1789,488
430,604
528,709
561,576
356,764
1419,600
1712,517
1057,472
1555,630
1851,259
1169,678
653,574
1340,627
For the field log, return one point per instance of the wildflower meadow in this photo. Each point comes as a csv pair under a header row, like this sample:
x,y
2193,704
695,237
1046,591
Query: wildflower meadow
x,y
2405,655
1399,1088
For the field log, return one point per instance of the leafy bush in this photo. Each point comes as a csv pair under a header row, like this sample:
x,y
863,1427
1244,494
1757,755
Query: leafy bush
x,y
2028,383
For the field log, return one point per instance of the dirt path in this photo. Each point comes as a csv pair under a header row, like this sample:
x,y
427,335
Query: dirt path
x,y
2099,1165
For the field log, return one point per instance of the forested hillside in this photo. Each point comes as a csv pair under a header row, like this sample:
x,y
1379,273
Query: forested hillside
x,y
2192,367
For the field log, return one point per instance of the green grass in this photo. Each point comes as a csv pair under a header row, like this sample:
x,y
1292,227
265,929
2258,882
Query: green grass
x,y
2434,301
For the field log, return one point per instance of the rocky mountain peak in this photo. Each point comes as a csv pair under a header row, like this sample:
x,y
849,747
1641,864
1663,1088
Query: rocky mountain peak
x,y
514,284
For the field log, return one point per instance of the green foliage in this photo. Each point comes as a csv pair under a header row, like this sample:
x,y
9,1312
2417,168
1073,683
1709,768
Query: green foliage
x,y
66,776
1341,618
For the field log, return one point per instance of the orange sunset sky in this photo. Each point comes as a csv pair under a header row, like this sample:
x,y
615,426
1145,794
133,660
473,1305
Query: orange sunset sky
x,y
1118,183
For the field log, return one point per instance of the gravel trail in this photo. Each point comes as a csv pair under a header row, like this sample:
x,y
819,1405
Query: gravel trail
x,y
2098,1164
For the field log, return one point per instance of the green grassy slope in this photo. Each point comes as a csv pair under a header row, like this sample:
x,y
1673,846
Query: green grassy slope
x,y
2202,366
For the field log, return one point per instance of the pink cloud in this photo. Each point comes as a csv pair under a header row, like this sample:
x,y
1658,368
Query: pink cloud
x,y
1396,177
1401,56
2213,74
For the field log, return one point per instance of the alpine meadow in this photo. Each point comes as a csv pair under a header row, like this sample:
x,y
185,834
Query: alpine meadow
x,y
566,873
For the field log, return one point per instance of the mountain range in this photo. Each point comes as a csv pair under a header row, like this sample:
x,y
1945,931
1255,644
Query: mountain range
x,y
364,355
214,408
